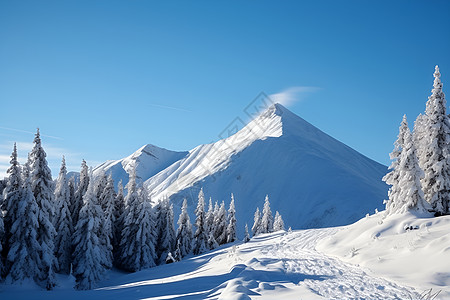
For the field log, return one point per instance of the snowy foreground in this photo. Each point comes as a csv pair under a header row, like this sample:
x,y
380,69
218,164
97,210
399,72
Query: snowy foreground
x,y
374,258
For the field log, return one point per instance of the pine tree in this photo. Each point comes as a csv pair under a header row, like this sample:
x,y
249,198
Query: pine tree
x,y
267,218
231,229
63,222
411,195
435,158
11,196
200,237
79,193
107,202
100,184
184,232
23,255
42,188
166,230
221,225
256,228
393,177
246,235
210,227
88,257
278,223
119,210
138,240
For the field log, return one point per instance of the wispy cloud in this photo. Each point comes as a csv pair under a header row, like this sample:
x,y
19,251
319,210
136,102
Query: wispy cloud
x,y
292,95
169,107
30,132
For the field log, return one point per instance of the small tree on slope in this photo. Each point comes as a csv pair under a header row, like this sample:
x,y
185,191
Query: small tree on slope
x,y
210,226
231,229
256,228
221,225
166,230
435,158
63,222
88,257
278,223
267,218
79,193
200,237
184,232
42,187
246,235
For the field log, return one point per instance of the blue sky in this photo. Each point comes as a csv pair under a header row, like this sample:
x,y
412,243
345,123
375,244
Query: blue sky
x,y
102,78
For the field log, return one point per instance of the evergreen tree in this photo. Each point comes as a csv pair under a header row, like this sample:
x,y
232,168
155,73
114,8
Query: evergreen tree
x,y
221,225
107,202
24,250
81,190
11,196
88,257
256,228
435,158
278,223
63,222
138,240
231,229
42,188
119,214
100,184
267,218
166,230
210,226
393,177
200,237
184,232
246,235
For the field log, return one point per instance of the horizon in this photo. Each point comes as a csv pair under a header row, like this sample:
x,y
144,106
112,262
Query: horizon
x,y
102,79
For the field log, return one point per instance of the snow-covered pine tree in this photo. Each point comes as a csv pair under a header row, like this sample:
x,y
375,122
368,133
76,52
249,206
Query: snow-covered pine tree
x,y
88,256
411,190
221,225
210,226
246,235
138,239
11,196
184,231
256,228
119,210
42,188
393,177
107,202
166,230
267,218
278,223
23,257
435,158
79,193
63,222
231,229
200,237
100,184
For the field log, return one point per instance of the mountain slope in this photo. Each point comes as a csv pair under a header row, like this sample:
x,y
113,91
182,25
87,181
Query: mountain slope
x,y
311,178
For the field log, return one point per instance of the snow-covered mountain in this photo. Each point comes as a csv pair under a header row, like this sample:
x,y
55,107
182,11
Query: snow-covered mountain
x,y
312,179
148,160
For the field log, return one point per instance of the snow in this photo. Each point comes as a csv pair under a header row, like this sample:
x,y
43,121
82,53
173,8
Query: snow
x,y
374,258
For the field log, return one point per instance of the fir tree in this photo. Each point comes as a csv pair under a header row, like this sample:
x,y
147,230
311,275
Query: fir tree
x,y
246,235
267,218
100,184
119,210
88,257
210,227
42,188
221,225
107,202
256,228
138,240
435,158
63,222
278,223
166,230
184,232
81,190
200,237
24,248
231,229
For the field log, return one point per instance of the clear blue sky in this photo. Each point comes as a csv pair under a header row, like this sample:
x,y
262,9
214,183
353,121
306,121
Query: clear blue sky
x,y
102,78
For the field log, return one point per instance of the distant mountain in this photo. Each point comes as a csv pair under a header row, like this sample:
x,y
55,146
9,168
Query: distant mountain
x,y
312,179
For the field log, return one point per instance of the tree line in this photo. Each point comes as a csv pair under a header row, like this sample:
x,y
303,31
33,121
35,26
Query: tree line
x,y
420,168
84,227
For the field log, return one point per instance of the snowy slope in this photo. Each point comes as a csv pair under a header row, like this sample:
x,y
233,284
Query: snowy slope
x,y
148,160
290,265
311,178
